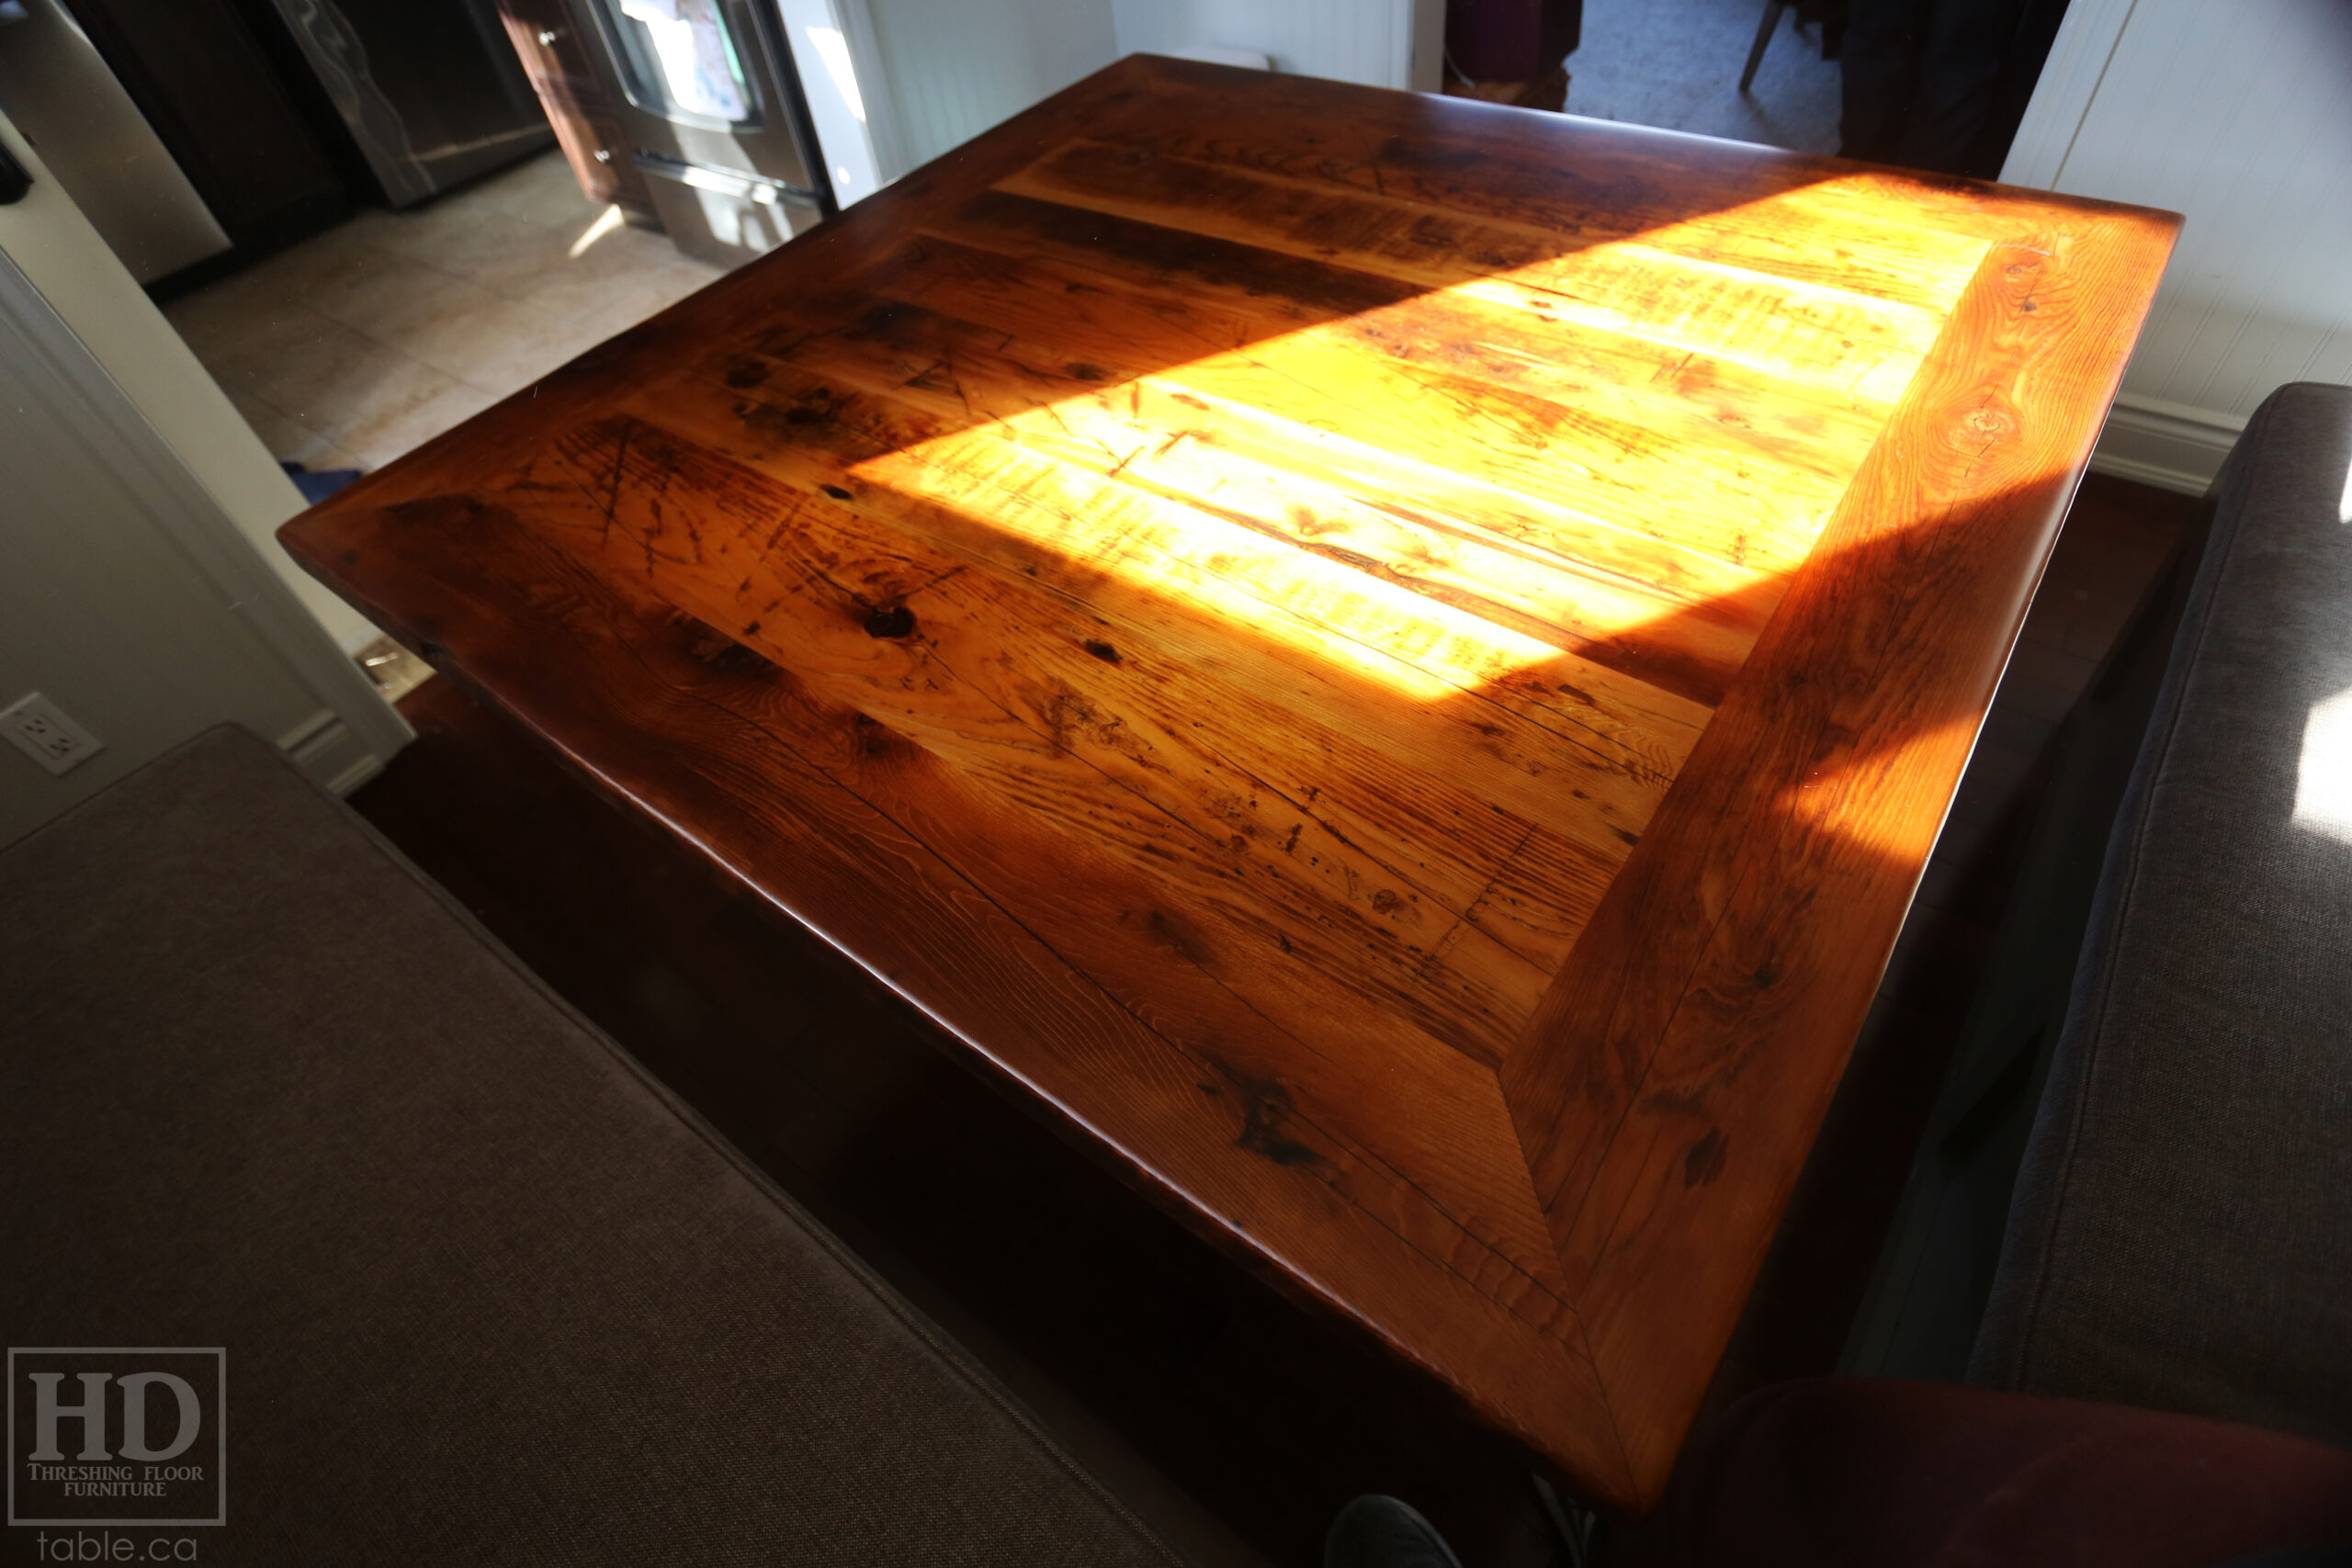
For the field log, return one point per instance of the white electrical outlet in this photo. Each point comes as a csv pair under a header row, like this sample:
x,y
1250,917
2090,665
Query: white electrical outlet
x,y
42,731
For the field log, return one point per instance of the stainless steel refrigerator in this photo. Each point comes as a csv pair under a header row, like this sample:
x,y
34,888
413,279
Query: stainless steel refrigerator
x,y
712,109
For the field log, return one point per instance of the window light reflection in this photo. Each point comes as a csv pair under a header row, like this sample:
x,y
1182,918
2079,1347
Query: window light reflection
x,y
606,222
2323,781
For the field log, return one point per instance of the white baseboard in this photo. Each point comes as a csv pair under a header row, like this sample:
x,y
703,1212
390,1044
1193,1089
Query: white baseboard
x,y
331,752
2170,446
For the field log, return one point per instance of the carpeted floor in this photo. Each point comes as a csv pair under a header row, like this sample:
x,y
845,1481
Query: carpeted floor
x,y
1676,63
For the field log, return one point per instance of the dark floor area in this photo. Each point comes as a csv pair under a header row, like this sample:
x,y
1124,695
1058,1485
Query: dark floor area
x,y
1235,1420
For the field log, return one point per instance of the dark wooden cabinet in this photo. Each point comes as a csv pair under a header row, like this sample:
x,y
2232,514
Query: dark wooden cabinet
x,y
579,99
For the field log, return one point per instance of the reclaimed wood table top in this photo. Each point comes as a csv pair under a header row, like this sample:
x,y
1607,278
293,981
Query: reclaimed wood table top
x,y
1395,661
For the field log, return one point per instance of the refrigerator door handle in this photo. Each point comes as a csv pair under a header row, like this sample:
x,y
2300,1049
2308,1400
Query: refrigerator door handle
x,y
727,182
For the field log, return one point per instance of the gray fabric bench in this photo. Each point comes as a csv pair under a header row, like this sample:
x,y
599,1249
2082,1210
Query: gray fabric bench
x,y
489,1293
2180,1234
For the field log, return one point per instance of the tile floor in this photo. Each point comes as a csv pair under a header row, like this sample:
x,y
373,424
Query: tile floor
x,y
1676,63
352,347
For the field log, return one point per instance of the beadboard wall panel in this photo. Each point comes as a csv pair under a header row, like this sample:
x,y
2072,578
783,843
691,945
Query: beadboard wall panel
x,y
949,69
957,67
2240,116
1371,41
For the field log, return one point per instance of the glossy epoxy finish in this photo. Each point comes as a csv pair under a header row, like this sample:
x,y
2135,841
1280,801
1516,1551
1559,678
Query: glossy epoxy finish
x,y
1396,661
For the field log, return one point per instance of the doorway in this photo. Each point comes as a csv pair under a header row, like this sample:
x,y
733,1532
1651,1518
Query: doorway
x,y
1936,86
1676,65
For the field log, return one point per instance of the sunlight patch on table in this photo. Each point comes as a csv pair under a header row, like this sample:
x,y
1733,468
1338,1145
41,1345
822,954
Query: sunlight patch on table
x,y
1206,538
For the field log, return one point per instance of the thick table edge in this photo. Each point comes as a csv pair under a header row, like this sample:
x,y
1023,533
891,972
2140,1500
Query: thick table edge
x,y
1621,1472
1716,802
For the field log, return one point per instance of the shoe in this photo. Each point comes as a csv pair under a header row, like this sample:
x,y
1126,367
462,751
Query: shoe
x,y
1381,1532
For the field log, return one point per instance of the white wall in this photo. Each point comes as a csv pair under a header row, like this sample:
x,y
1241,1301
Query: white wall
x,y
128,594
957,67
76,272
933,74
1383,43
2238,116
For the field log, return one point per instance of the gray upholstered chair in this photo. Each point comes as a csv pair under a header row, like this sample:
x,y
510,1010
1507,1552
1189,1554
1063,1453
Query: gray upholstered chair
x,y
489,1293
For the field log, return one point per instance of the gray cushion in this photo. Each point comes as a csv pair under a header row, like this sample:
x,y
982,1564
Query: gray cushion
x,y
2181,1235
488,1291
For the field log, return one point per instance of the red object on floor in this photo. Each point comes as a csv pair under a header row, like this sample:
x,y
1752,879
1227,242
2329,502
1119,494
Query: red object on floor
x,y
1851,1473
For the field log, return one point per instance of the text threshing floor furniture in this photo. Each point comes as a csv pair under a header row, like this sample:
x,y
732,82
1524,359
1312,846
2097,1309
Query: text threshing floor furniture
x,y
1396,661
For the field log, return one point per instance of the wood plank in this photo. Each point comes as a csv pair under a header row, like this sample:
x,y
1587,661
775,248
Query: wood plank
x,y
1803,232
1575,176
1564,581
1843,344
1008,696
716,739
1517,350
1311,801
1093,314
1548,442
1009,512
1803,824
972,684
1415,642
1214,452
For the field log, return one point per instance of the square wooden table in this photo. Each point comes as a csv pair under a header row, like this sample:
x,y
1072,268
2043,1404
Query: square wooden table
x,y
1396,661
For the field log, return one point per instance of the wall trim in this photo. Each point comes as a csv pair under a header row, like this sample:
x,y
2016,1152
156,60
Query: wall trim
x,y
331,752
325,747
2061,98
2170,446
1425,48
189,520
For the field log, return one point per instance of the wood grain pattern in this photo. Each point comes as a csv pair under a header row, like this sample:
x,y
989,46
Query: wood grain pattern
x,y
1396,661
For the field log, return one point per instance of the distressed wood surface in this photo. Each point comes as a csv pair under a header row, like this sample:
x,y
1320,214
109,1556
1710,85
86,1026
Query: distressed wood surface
x,y
1395,661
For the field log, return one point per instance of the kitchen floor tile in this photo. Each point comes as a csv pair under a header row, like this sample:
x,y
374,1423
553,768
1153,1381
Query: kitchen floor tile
x,y
360,344
406,415
287,438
